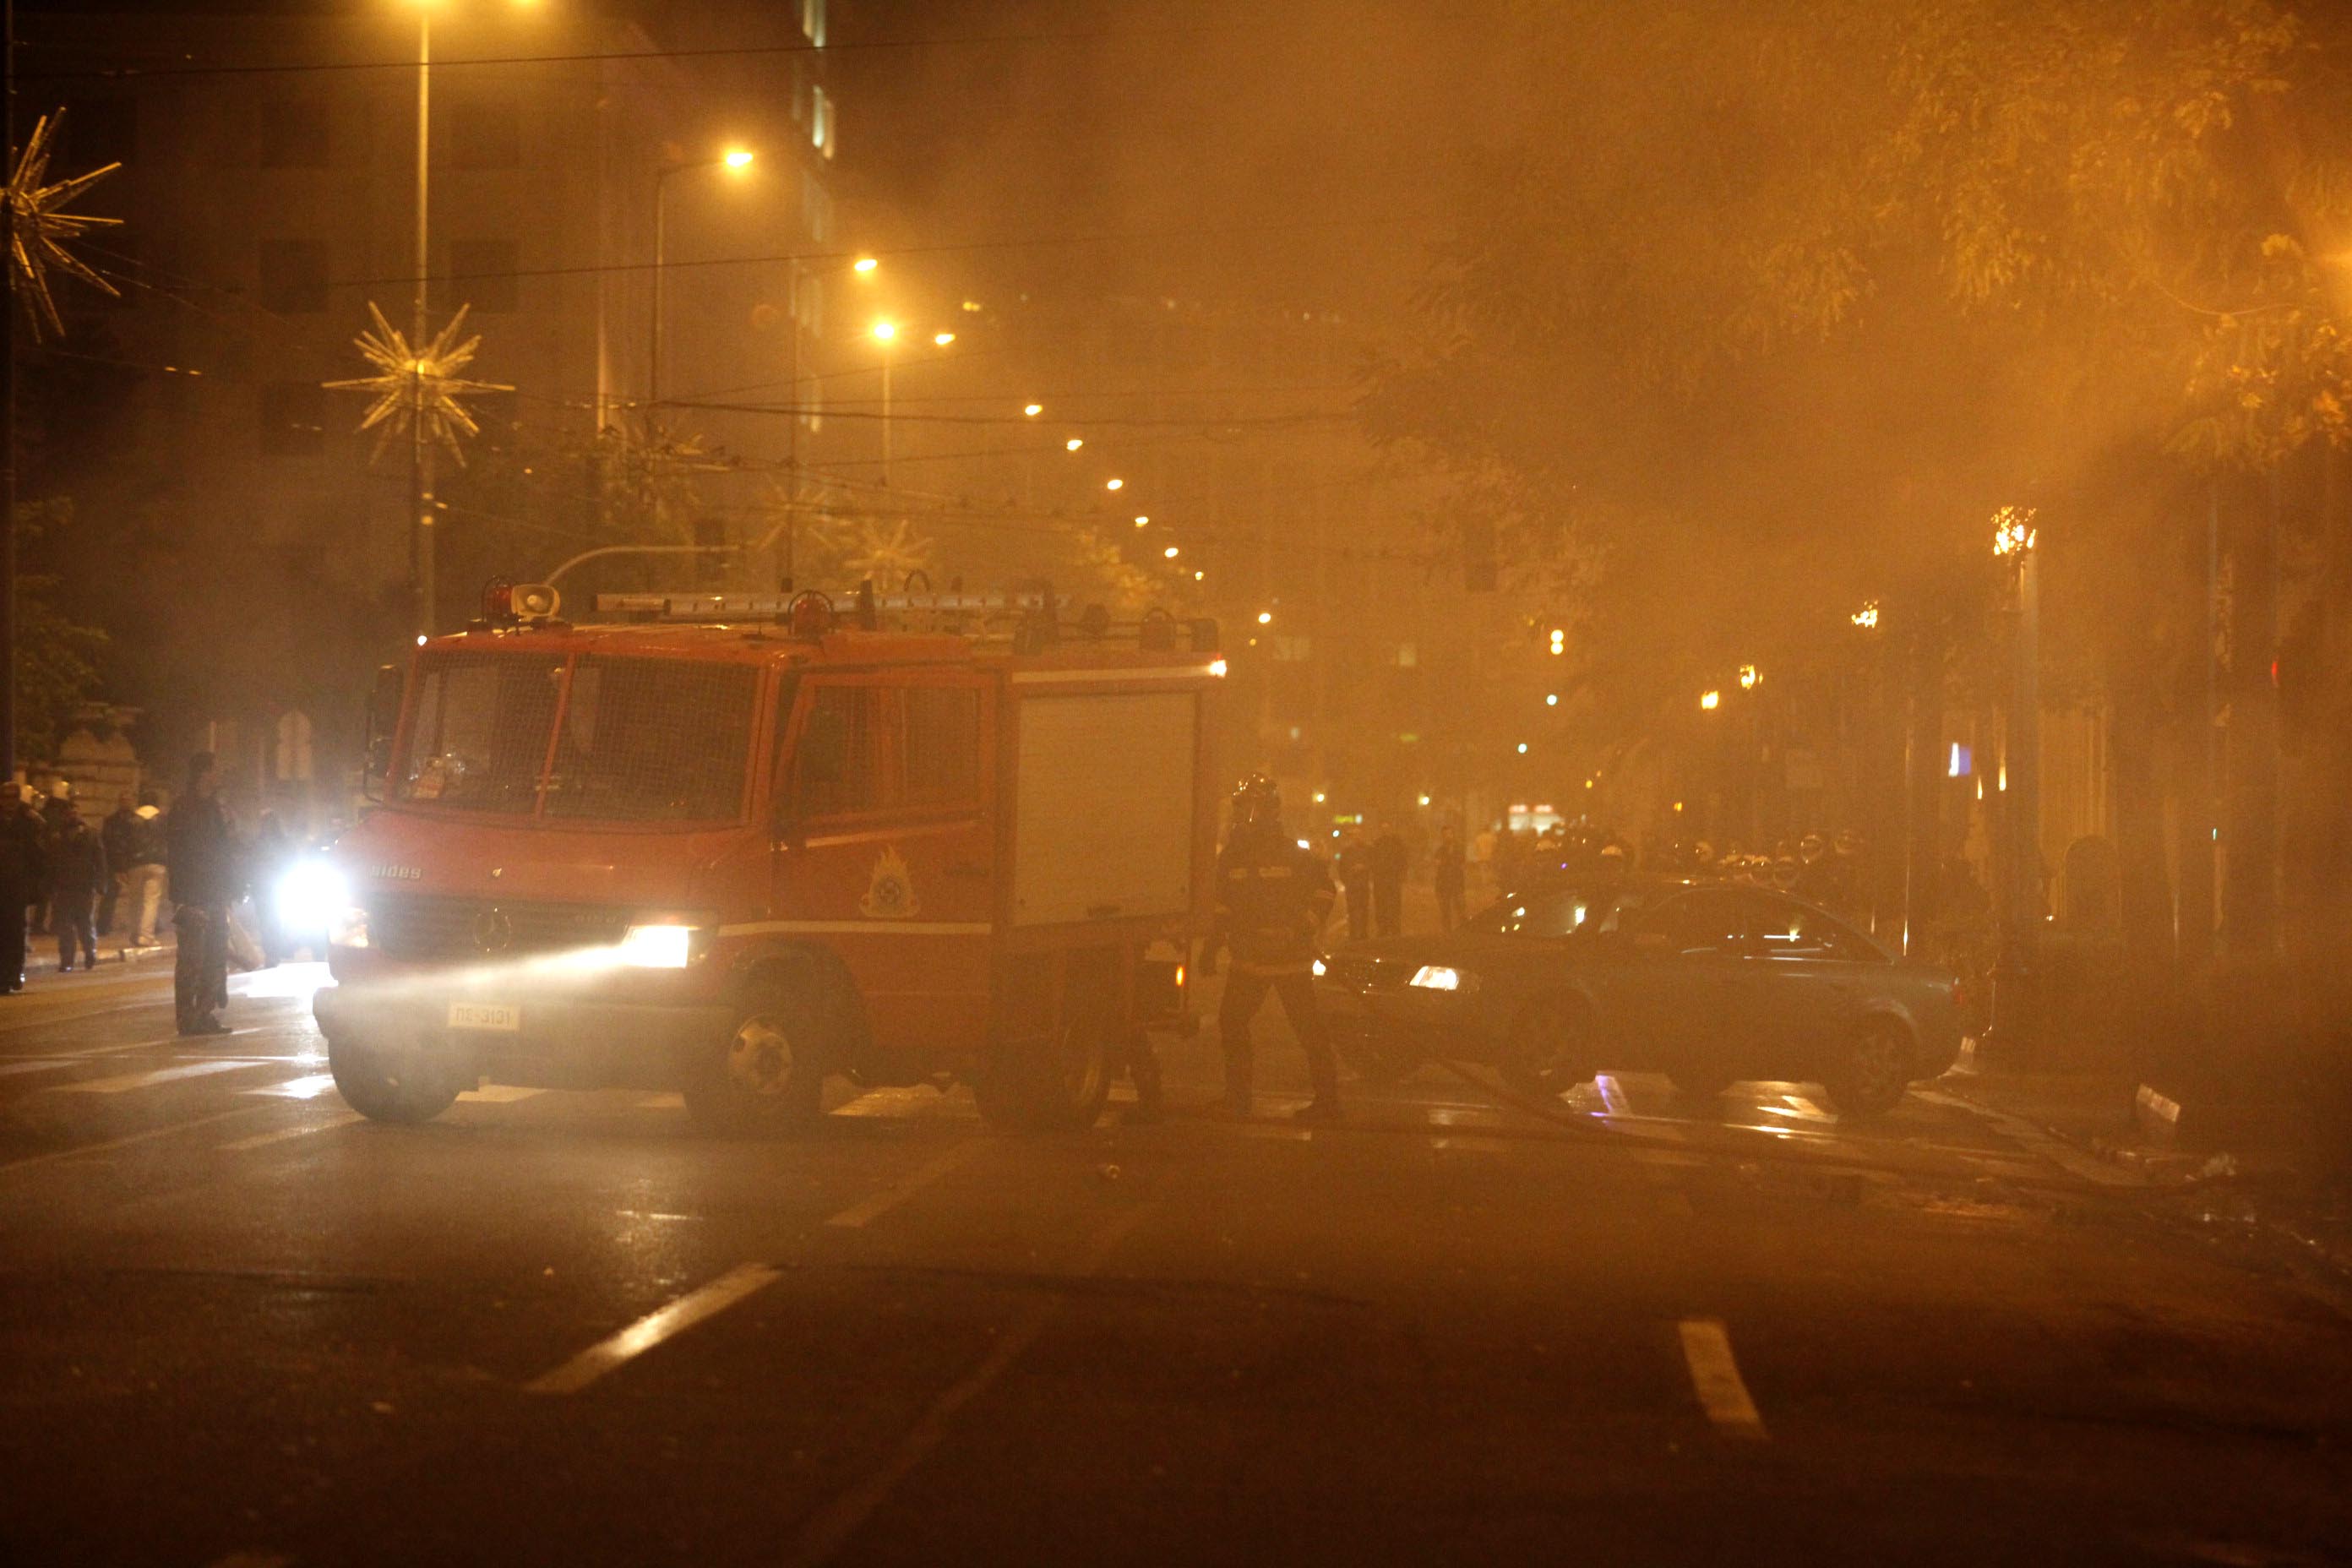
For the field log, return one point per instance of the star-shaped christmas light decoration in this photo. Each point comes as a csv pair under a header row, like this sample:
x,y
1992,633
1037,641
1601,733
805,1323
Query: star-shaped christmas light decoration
x,y
418,388
39,225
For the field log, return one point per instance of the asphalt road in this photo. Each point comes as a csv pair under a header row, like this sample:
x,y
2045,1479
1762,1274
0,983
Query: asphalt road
x,y
239,1326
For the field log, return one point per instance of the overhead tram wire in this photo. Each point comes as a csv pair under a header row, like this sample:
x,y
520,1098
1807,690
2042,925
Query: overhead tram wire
x,y
595,58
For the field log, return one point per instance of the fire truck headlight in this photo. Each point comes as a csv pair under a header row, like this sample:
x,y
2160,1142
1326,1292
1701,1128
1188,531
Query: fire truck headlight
x,y
312,896
348,927
657,947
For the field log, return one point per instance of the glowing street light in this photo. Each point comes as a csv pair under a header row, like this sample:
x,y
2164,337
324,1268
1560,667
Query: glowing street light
x,y
1074,443
1171,553
1523,748
1710,700
943,339
1032,410
1866,617
1749,678
864,265
2012,531
886,330
1558,641
736,158
1142,521
1200,576
1551,698
1265,618
1114,484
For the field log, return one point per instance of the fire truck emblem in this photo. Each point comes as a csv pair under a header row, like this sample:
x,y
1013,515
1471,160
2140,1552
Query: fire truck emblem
x,y
890,896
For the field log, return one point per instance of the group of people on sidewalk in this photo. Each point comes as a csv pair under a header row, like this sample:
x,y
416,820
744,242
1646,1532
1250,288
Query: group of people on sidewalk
x,y
58,874
61,876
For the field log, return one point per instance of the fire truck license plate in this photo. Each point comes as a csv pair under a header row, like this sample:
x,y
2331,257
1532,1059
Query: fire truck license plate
x,y
484,1016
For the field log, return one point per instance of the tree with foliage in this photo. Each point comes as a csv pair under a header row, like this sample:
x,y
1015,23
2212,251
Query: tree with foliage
x,y
57,664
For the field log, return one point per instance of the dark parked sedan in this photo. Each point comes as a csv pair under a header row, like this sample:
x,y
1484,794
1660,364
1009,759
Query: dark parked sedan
x,y
1710,983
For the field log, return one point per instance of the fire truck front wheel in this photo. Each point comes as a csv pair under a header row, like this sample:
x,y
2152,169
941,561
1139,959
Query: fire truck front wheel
x,y
389,1085
767,1074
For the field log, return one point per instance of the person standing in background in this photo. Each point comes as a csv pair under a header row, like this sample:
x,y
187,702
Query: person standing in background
x,y
77,870
1388,879
139,870
1451,877
24,862
114,838
202,854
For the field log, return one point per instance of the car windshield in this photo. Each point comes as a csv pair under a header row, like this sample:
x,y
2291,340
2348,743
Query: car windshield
x,y
1555,912
639,739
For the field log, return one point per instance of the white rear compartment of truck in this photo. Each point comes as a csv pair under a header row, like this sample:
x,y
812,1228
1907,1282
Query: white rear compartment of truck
x,y
1103,827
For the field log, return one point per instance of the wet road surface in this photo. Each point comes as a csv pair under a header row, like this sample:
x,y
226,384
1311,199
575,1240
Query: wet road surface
x,y
239,1325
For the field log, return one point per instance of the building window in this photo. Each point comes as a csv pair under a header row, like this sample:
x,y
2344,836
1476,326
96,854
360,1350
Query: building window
x,y
816,208
482,273
820,120
943,746
479,131
293,418
293,275
97,131
294,134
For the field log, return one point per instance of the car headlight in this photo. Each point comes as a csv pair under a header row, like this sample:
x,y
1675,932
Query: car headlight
x,y
311,896
1442,977
666,946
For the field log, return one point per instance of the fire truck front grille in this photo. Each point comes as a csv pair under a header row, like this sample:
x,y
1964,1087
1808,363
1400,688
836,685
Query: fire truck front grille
x,y
423,926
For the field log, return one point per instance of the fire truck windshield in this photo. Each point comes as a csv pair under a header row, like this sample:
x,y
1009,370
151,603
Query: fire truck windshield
x,y
590,738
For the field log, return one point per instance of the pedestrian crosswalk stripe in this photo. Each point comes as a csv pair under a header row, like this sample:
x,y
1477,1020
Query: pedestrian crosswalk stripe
x,y
309,1086
9,1070
126,1082
1714,1377
260,1140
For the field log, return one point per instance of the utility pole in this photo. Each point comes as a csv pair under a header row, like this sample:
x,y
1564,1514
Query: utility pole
x,y
8,408
420,449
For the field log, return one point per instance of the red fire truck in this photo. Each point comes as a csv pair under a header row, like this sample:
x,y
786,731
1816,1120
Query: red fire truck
x,y
736,846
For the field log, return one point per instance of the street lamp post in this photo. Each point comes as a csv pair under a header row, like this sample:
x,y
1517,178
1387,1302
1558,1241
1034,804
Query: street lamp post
x,y
736,158
886,334
2016,1015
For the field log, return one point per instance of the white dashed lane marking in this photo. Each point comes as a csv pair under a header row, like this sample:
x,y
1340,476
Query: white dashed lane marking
x,y
653,1329
1714,1377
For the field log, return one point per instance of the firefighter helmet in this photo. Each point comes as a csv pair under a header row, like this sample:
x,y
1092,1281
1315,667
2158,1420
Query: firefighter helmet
x,y
1257,803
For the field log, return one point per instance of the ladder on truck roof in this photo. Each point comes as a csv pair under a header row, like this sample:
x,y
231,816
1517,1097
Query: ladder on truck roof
x,y
1031,619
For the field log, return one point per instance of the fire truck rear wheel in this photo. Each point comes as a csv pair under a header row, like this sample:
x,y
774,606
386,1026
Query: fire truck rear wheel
x,y
767,1074
1054,1083
388,1085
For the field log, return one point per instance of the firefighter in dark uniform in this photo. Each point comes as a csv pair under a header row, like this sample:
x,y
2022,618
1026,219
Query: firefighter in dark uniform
x,y
1272,901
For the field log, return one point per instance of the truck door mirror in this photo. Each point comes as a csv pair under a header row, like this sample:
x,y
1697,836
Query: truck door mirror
x,y
383,719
